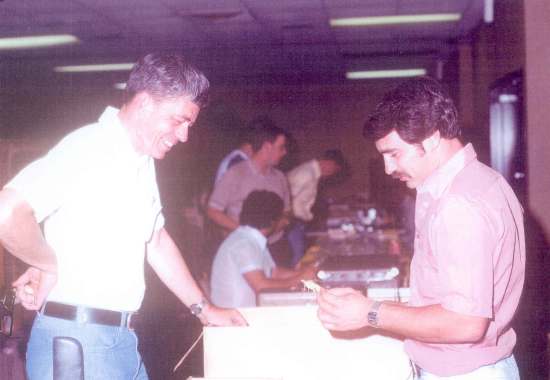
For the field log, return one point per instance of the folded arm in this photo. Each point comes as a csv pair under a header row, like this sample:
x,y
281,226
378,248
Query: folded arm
x,y
222,219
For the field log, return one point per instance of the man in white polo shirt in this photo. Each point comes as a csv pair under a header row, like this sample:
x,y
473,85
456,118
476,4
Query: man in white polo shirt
x,y
97,195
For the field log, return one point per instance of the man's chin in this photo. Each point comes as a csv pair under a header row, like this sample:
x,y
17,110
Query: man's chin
x,y
159,155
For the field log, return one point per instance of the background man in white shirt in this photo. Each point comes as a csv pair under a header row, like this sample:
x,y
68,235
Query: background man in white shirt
x,y
243,265
303,181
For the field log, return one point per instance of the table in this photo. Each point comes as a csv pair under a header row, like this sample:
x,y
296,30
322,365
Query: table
x,y
290,343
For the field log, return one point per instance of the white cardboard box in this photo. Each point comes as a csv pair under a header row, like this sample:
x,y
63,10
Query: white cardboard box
x,y
289,343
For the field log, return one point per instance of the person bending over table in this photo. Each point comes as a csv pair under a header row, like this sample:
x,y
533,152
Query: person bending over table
x,y
97,194
468,267
243,265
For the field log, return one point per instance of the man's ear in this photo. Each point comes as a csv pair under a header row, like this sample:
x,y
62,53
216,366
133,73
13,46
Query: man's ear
x,y
266,146
142,101
431,143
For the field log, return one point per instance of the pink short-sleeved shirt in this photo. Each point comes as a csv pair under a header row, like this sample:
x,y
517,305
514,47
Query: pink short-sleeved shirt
x,y
469,257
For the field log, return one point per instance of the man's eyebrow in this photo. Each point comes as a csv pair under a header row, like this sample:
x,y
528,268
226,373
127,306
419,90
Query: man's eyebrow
x,y
181,118
387,150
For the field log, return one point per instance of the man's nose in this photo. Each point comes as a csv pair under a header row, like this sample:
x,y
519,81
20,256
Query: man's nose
x,y
389,166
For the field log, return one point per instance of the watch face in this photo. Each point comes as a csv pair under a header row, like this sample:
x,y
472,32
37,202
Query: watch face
x,y
373,318
195,308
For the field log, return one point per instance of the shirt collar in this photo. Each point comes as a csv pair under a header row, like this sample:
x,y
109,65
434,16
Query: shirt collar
x,y
120,136
439,180
316,169
256,169
255,234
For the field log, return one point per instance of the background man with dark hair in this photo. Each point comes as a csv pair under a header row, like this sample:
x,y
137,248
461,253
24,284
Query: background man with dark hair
x,y
243,265
467,272
303,181
258,173
97,195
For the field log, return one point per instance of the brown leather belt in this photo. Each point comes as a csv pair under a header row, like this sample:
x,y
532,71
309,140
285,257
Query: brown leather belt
x,y
89,315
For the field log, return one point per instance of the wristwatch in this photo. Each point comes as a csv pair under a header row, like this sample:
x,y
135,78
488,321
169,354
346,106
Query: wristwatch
x,y
197,308
372,316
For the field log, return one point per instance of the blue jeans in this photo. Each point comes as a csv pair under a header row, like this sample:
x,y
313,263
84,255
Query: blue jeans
x,y
505,369
296,237
110,352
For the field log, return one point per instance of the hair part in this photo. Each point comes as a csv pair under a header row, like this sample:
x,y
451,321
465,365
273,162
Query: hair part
x,y
261,209
415,110
168,75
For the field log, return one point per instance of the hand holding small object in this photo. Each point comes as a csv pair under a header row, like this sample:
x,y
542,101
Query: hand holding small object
x,y
312,285
33,286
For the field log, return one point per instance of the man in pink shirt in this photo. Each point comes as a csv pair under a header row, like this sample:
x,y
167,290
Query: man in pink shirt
x,y
467,272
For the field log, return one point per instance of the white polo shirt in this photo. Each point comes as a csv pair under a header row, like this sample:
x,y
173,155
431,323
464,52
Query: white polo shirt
x,y
100,205
244,250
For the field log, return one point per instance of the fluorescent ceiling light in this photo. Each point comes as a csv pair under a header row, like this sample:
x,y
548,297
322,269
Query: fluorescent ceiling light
x,y
400,19
376,74
94,68
30,42
120,86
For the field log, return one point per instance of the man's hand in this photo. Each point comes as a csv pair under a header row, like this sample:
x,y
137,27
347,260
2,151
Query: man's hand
x,y
33,286
343,309
282,223
308,272
215,316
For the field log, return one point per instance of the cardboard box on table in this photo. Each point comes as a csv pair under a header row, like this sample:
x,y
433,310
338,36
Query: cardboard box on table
x,y
289,343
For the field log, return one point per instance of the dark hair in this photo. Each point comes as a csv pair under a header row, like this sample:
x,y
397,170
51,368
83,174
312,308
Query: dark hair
x,y
415,110
336,156
168,75
260,209
262,130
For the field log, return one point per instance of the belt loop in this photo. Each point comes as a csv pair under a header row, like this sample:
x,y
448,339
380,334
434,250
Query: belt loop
x,y
126,321
415,370
81,314
43,307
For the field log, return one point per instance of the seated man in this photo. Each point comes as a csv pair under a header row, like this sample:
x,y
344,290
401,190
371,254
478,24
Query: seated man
x,y
243,265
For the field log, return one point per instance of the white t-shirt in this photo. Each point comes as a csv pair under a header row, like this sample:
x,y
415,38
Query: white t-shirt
x,y
244,250
100,205
303,181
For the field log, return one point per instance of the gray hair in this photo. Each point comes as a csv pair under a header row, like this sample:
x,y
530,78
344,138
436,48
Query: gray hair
x,y
168,75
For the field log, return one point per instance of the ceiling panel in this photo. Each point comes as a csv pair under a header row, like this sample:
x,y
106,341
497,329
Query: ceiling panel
x,y
259,40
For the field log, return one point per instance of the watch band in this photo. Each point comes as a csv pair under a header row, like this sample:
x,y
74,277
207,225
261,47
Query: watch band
x,y
197,308
372,316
